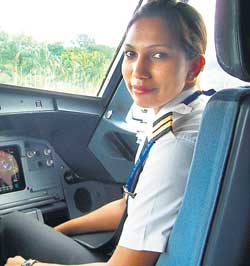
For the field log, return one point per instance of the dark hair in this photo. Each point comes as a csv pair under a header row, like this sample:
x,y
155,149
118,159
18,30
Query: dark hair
x,y
183,21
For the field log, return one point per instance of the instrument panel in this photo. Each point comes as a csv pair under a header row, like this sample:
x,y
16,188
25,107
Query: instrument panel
x,y
31,174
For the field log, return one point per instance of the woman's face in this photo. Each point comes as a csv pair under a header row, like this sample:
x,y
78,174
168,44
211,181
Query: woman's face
x,y
154,68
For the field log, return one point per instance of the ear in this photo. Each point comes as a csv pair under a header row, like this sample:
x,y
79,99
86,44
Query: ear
x,y
196,66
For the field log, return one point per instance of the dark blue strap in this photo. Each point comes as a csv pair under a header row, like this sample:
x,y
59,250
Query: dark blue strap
x,y
139,163
196,94
135,172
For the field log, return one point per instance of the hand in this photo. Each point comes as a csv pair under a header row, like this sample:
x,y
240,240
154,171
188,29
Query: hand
x,y
16,261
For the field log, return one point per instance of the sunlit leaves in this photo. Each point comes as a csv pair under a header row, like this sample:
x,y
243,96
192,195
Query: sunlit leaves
x,y
76,68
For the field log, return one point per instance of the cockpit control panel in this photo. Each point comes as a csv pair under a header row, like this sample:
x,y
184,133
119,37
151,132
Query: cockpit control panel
x,y
31,174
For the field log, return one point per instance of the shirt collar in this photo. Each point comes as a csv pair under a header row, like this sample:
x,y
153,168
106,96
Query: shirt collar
x,y
176,104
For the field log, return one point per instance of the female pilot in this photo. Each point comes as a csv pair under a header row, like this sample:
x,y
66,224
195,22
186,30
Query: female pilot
x,y
163,55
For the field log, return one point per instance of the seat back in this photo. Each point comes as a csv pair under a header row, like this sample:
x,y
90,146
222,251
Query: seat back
x,y
189,236
213,225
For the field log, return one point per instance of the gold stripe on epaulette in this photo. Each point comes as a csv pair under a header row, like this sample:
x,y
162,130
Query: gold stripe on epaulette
x,y
163,128
167,119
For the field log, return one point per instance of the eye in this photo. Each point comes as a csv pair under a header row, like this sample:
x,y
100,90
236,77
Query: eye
x,y
129,53
160,55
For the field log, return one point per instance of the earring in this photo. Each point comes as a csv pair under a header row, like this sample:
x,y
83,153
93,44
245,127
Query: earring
x,y
191,78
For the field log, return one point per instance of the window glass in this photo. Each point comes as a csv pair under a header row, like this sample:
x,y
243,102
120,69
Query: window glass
x,y
213,75
60,45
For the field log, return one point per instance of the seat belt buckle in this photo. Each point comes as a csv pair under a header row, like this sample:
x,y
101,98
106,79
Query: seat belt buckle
x,y
127,193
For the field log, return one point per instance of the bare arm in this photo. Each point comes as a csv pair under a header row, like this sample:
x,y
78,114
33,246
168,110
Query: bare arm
x,y
121,257
103,219
128,257
17,261
124,257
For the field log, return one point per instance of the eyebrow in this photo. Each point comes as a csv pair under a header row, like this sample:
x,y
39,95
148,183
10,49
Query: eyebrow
x,y
152,46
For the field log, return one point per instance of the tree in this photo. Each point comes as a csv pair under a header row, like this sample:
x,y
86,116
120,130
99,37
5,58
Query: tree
x,y
26,62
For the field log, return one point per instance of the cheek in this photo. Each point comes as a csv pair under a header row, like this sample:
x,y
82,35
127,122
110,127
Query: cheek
x,y
177,74
125,72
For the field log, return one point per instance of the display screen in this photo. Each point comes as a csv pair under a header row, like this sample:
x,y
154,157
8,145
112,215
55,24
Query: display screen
x,y
11,172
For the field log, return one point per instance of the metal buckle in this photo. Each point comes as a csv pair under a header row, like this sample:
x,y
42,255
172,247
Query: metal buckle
x,y
29,262
127,194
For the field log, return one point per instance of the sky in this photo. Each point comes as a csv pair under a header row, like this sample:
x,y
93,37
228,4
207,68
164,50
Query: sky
x,y
63,20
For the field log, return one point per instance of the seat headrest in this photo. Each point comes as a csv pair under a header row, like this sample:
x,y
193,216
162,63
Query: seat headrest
x,y
232,37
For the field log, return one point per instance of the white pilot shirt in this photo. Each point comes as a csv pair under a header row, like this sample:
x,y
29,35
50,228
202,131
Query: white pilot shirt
x,y
161,185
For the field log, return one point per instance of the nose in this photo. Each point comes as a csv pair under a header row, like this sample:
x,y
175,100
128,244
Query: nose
x,y
141,68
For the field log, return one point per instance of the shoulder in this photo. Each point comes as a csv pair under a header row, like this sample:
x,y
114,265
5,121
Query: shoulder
x,y
169,155
186,125
176,143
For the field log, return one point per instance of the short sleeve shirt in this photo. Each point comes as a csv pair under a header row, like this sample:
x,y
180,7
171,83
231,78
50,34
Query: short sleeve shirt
x,y
161,185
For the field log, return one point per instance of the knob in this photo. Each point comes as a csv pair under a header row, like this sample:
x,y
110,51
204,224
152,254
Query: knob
x,y
47,151
49,162
30,154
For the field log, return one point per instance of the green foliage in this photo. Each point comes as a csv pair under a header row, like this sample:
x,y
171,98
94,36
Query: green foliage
x,y
78,68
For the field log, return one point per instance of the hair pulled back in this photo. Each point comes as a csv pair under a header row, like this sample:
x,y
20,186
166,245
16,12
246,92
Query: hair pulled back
x,y
184,23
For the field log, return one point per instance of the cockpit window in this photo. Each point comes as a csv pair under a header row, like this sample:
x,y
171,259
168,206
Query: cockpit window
x,y
61,45
213,76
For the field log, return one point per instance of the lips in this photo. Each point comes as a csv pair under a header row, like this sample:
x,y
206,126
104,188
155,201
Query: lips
x,y
141,89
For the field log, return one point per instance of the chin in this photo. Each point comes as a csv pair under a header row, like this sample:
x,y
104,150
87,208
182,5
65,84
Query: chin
x,y
143,105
